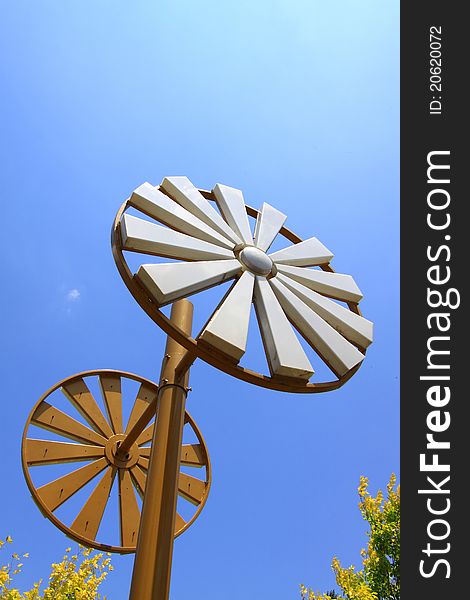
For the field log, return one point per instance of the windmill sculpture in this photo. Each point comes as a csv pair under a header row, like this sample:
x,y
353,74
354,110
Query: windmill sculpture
x,y
209,239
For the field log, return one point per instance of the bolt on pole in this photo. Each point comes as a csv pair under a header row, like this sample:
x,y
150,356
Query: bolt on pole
x,y
152,566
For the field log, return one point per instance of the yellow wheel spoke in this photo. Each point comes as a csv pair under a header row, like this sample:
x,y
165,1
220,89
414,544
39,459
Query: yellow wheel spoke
x,y
51,418
57,492
191,488
192,455
89,518
128,509
179,523
144,463
111,390
45,452
140,479
81,397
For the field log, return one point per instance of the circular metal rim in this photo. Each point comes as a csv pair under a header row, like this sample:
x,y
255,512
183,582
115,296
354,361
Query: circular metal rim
x,y
48,514
198,350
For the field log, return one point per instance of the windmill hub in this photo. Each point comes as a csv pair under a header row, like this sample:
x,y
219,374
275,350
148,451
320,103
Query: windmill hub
x,y
256,261
115,458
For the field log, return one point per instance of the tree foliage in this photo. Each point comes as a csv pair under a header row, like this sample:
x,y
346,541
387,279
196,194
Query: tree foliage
x,y
379,578
76,577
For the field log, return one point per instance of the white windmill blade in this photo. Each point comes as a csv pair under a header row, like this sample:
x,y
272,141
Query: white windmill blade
x,y
227,329
168,282
186,194
142,236
351,325
308,253
232,206
335,285
156,204
283,350
339,354
268,224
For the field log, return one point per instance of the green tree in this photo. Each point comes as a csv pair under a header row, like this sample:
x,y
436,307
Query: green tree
x,y
76,577
379,578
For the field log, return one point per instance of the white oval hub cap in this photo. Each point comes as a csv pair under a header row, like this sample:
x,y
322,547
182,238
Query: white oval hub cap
x,y
256,261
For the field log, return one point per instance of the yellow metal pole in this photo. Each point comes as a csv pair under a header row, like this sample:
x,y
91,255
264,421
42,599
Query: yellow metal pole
x,y
152,566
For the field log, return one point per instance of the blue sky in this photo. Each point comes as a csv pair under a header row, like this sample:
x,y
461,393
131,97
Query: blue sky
x,y
295,103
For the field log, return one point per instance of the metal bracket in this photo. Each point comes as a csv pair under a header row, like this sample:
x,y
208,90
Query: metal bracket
x,y
177,385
